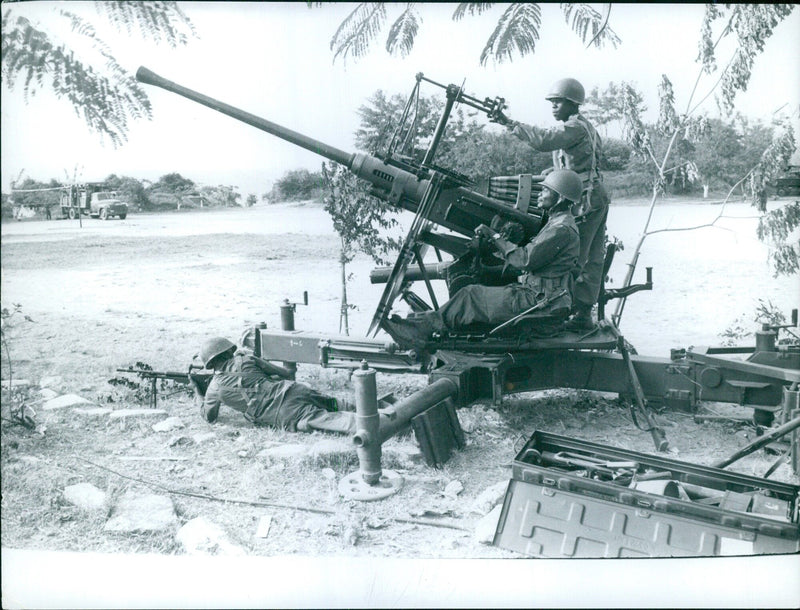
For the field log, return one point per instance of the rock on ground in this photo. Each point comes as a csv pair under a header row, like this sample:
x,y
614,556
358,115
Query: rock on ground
x,y
142,513
203,537
92,411
171,423
489,498
85,496
62,402
486,528
203,437
453,488
47,394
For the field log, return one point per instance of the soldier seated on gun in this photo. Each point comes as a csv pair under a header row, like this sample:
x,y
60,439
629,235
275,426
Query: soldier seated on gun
x,y
261,391
548,263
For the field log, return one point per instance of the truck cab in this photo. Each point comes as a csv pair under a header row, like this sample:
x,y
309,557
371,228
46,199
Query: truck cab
x,y
789,183
106,204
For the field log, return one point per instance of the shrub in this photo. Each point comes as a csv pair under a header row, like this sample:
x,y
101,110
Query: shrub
x,y
297,185
616,155
631,182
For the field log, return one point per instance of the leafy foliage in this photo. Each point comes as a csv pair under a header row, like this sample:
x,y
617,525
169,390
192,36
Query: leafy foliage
x,y
359,218
751,25
297,185
380,116
36,199
772,162
668,122
516,32
361,221
131,190
102,93
358,30
221,195
726,150
766,313
586,20
403,31
156,20
465,147
606,106
775,228
15,397
616,155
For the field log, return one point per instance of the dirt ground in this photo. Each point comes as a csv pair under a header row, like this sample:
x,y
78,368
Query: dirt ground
x,y
151,289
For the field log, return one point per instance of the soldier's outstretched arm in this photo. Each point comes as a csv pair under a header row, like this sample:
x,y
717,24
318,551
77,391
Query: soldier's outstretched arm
x,y
273,369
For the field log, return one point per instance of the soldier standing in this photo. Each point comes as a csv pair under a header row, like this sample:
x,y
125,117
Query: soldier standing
x,y
575,145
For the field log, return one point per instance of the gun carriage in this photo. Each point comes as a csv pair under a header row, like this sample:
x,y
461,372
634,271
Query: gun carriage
x,y
492,363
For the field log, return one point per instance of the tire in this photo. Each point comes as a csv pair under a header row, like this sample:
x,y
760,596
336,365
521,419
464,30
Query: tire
x,y
103,214
122,216
72,214
781,192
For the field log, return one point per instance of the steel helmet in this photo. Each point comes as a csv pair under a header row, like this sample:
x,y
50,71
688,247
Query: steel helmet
x,y
213,348
568,89
566,183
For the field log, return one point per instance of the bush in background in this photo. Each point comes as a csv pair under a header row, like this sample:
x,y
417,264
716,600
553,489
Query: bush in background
x,y
297,185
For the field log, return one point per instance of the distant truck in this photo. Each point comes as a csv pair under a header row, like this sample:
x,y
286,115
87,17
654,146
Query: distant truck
x,y
789,183
93,200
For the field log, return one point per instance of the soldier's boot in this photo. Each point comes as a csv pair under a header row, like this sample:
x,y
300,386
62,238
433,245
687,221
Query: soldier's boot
x,y
581,320
411,333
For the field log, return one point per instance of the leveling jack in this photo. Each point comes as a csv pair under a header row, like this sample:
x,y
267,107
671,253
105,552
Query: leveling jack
x,y
429,412
659,438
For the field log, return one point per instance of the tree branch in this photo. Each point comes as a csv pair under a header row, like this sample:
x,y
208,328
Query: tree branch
x,y
602,27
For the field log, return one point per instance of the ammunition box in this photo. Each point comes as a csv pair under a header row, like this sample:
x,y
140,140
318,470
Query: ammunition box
x,y
564,508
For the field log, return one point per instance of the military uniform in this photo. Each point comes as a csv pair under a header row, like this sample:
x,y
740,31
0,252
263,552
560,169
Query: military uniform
x,y
547,261
243,384
576,145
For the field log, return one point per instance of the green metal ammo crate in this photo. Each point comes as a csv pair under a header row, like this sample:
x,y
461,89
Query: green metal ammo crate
x,y
573,498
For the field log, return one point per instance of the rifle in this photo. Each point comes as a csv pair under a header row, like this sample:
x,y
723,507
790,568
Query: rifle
x,y
198,381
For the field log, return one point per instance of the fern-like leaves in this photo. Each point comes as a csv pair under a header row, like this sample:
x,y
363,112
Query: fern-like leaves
x,y
516,32
752,25
358,30
403,31
106,103
585,21
472,8
154,20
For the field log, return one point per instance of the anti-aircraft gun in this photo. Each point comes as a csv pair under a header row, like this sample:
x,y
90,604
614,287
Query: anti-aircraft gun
x,y
471,366
437,196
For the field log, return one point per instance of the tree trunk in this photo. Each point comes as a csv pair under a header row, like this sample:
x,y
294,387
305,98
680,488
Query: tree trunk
x,y
343,310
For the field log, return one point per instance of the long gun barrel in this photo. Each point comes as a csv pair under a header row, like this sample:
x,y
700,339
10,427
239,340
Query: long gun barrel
x,y
456,208
173,375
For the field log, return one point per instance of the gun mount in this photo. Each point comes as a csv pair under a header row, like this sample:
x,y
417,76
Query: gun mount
x,y
487,365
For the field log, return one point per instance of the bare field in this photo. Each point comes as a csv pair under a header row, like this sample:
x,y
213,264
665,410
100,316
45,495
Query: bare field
x,y
153,287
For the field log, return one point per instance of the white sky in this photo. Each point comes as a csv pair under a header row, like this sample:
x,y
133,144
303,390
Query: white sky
x,y
274,60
